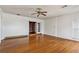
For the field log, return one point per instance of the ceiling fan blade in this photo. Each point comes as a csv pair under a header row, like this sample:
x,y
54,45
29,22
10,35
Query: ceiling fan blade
x,y
34,13
44,14
38,15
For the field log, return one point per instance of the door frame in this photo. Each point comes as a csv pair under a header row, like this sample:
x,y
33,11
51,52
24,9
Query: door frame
x,y
34,27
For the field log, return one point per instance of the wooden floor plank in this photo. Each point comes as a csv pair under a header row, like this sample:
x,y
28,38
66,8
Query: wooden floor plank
x,y
39,44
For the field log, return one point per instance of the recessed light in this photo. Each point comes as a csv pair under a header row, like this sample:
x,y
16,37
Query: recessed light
x,y
64,6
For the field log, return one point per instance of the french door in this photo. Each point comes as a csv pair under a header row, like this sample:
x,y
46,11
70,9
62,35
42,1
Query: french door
x,y
32,27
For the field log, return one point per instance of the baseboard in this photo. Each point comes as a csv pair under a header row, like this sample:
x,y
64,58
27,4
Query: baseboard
x,y
2,38
18,36
63,37
14,37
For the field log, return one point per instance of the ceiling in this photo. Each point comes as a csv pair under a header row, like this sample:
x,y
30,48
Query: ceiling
x,y
27,10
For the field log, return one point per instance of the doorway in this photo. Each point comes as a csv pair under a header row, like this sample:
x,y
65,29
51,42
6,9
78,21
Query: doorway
x,y
32,27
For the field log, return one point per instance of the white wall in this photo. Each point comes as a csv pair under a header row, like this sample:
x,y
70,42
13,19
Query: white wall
x,y
0,23
50,26
76,27
62,26
13,25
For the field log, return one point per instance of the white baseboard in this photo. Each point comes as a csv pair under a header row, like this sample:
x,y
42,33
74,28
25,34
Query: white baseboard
x,y
1,39
69,38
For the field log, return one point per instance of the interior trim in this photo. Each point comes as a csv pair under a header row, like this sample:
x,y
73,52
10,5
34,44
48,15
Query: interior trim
x,y
62,38
14,37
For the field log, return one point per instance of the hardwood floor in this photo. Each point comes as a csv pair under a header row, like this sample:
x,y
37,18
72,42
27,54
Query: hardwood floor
x,y
39,44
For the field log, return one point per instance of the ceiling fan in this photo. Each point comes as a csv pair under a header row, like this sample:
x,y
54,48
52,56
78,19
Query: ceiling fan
x,y
39,12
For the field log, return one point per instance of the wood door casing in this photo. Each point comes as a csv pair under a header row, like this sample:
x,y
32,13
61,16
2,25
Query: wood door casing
x,y
32,27
38,27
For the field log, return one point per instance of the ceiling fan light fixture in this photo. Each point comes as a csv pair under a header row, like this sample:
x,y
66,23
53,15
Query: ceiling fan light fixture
x,y
39,12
